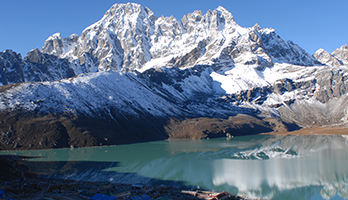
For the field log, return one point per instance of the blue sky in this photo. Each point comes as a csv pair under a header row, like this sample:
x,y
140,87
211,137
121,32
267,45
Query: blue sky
x,y
312,24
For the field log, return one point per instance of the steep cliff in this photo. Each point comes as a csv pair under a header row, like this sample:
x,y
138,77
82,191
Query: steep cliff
x,y
134,77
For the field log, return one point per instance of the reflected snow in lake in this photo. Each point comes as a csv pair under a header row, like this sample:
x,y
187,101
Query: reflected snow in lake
x,y
271,167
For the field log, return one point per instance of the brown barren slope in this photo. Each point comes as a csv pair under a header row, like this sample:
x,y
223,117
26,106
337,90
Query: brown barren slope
x,y
327,130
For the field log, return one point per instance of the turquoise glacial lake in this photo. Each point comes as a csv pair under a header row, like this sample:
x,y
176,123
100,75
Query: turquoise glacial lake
x,y
267,167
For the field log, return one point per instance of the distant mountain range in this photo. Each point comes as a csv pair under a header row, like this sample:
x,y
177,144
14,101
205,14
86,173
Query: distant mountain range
x,y
135,77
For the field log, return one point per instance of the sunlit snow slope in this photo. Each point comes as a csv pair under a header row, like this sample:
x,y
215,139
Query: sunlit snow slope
x,y
132,71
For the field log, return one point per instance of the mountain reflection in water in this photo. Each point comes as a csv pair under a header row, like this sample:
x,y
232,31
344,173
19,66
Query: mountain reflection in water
x,y
272,167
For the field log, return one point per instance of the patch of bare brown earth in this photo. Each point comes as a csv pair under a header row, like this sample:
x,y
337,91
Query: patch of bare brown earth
x,y
319,130
32,131
238,125
35,131
21,131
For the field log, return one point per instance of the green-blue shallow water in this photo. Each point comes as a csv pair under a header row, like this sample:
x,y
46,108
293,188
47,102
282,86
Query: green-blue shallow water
x,y
271,167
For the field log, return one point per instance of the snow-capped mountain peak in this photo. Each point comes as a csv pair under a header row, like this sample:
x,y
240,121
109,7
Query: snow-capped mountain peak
x,y
336,58
342,54
130,37
132,71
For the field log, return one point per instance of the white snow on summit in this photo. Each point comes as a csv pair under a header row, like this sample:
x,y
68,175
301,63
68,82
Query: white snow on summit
x,y
130,37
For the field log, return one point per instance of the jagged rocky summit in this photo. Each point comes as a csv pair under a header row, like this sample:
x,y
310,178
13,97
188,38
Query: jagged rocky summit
x,y
133,77
337,58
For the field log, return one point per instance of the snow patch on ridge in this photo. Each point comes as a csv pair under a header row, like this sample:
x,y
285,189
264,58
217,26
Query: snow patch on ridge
x,y
88,93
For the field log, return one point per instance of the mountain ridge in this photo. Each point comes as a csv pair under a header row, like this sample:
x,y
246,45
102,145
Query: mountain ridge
x,y
134,77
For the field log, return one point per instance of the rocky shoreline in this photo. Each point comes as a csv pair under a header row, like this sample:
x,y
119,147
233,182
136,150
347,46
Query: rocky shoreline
x,y
17,182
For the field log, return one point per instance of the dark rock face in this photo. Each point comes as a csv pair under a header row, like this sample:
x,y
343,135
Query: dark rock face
x,y
333,84
44,67
11,68
193,56
283,85
36,66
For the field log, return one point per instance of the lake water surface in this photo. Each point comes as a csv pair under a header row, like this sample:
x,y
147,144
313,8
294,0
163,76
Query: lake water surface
x,y
270,167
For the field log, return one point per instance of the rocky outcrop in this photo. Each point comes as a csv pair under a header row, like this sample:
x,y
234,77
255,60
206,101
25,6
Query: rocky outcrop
x,y
324,100
337,58
134,77
57,46
331,84
342,54
131,38
44,67
326,58
36,66
11,68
